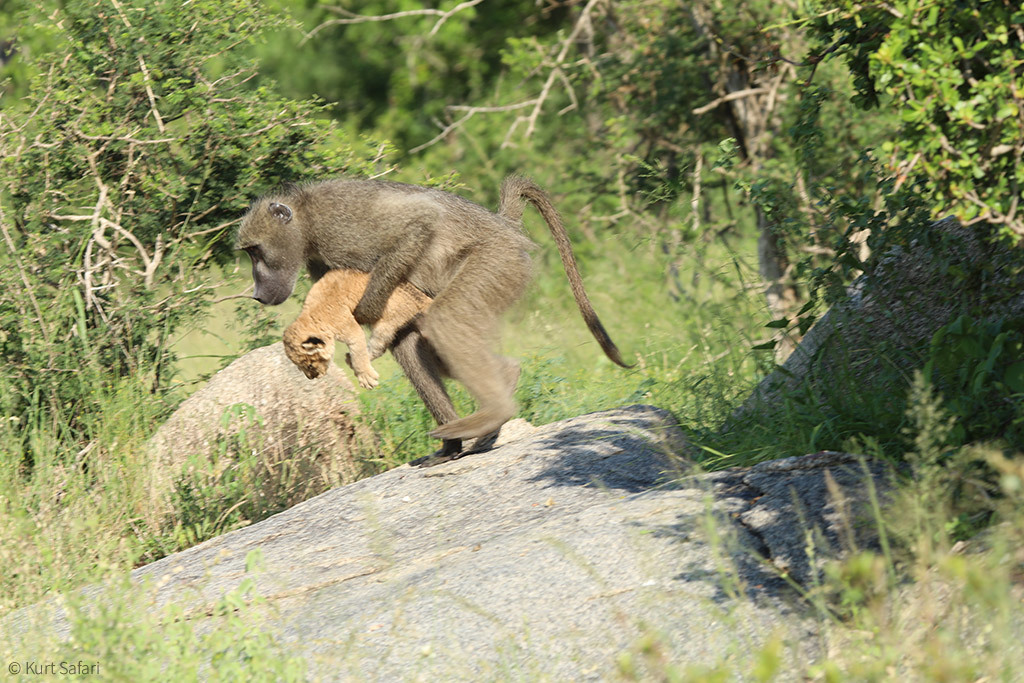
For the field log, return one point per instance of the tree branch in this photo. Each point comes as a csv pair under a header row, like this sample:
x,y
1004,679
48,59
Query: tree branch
x,y
352,18
470,113
738,94
24,278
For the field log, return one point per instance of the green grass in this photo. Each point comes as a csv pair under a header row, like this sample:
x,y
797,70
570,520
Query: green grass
x,y
118,634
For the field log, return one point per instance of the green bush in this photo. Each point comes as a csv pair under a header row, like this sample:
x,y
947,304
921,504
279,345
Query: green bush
x,y
136,148
954,72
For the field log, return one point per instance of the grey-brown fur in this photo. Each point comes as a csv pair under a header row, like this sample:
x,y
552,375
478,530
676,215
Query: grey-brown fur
x,y
475,263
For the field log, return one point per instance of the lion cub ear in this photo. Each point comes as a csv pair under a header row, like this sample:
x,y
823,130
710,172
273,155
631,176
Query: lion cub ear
x,y
313,344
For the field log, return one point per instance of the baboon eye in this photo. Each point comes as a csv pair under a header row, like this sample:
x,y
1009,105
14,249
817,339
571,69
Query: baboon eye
x,y
254,252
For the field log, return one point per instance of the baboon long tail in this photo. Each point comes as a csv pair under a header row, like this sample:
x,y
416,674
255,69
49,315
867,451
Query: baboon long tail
x,y
516,188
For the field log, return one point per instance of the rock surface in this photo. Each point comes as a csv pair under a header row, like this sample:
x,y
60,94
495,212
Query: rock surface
x,y
545,558
827,494
889,316
293,415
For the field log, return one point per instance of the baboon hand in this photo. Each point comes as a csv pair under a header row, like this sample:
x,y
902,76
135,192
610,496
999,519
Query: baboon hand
x,y
369,309
376,347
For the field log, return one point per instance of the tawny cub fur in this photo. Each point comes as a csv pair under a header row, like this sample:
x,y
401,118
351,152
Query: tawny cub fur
x,y
327,315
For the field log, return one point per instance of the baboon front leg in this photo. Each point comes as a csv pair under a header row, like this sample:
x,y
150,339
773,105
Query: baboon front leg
x,y
425,370
393,265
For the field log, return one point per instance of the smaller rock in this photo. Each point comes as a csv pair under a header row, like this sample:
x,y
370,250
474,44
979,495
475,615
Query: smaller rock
x,y
262,401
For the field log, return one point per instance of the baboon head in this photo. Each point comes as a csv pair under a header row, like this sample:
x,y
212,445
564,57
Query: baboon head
x,y
275,244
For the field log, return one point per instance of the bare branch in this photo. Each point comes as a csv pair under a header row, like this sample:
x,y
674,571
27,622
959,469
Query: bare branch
x,y
531,120
470,113
440,136
152,98
738,94
207,231
695,198
491,110
352,18
247,294
24,278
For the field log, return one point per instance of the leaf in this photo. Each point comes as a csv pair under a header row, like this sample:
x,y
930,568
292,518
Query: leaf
x,y
1014,377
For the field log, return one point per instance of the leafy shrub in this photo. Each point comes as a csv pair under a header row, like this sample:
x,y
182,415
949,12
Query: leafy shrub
x,y
954,71
136,148
977,367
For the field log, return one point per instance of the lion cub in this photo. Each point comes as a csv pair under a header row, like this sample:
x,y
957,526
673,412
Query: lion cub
x,y
327,315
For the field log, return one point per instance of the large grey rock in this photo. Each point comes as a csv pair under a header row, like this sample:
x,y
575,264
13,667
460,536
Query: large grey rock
x,y
545,558
277,411
808,510
880,330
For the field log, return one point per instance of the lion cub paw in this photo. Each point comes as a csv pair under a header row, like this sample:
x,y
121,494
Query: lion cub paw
x,y
367,376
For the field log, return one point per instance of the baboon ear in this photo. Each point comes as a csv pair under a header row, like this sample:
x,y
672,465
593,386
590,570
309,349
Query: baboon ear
x,y
281,212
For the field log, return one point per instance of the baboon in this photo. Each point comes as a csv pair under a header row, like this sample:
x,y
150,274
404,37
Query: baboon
x,y
473,262
327,315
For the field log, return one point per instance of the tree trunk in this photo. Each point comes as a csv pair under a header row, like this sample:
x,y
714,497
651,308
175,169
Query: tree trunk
x,y
749,99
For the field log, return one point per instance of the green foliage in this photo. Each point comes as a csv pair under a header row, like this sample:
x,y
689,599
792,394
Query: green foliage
x,y
67,514
396,414
396,77
977,367
241,480
223,491
955,73
974,367
134,151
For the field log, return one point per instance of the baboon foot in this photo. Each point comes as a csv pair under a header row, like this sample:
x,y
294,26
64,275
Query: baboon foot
x,y
481,423
446,454
451,450
484,443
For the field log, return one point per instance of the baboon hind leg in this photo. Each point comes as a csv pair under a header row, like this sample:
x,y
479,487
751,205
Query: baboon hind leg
x,y
484,376
488,441
462,325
